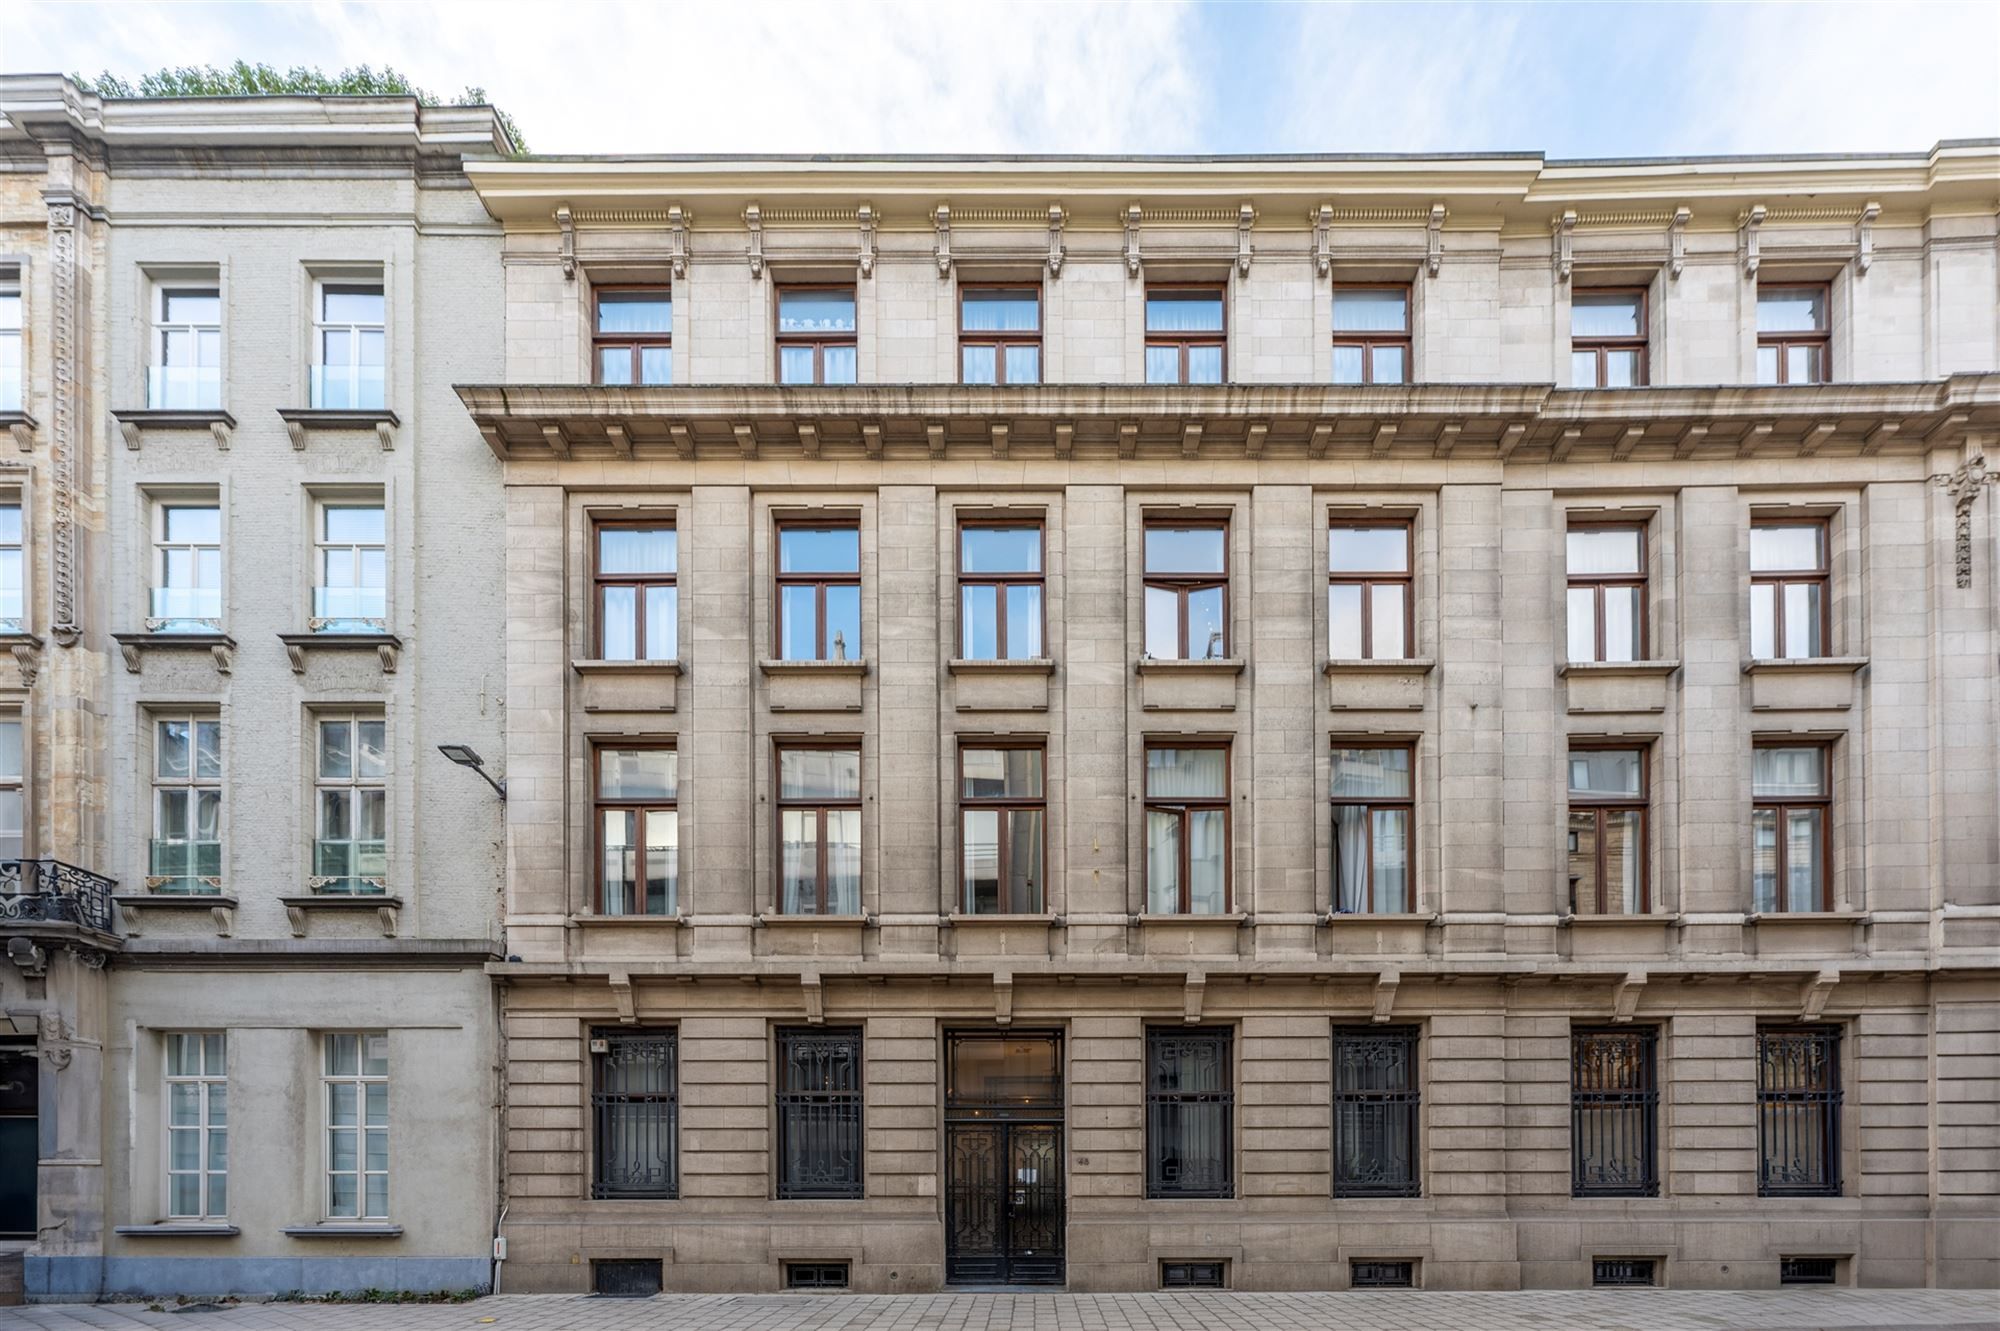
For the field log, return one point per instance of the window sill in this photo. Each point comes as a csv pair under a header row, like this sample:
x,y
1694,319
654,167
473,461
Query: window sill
x,y
134,646
132,908
1226,665
780,920
334,1229
593,921
301,422
1025,665
1394,665
178,1229
22,426
963,919
386,646
133,425
589,666
1656,919
1806,665
1377,918
388,910
1617,669
816,669
1806,917
1235,919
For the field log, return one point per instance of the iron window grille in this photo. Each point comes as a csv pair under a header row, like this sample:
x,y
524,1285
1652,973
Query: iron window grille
x,y
1627,1271
1190,1113
1607,337
1371,333
635,573
632,336
1192,1275
1798,1111
1794,343
1382,1275
815,1275
1375,1111
626,1278
1808,1270
636,1112
1614,1113
819,1114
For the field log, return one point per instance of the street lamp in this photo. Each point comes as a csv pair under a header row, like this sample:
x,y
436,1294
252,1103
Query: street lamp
x,y
467,756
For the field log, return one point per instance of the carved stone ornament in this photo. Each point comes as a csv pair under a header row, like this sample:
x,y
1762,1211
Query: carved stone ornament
x,y
1434,240
678,222
28,657
1677,242
1132,215
941,251
1564,229
1864,238
64,442
1964,486
1322,225
1753,222
57,1037
753,218
566,224
1246,217
864,219
1056,252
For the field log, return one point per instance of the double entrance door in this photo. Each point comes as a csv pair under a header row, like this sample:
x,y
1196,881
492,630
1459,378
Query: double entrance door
x,y
20,1146
1004,1165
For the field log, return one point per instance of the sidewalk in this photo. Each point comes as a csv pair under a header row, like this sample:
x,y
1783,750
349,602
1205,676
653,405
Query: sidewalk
x,y
1536,1310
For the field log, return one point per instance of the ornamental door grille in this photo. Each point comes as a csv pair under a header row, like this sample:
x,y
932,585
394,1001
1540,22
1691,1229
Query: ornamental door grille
x,y
1004,1162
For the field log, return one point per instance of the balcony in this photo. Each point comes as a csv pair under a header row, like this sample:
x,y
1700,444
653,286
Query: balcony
x,y
49,898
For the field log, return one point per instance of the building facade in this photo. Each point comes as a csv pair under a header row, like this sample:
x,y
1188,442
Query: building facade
x,y
1287,723
250,1040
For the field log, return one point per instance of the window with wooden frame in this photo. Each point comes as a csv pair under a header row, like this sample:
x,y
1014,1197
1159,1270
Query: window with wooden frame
x,y
816,335
1792,804
1608,790
1371,333
1000,607
819,590
632,335
1798,1111
1370,608
1607,591
636,798
819,829
1374,816
13,787
635,577
1187,828
13,569
1190,1112
1187,589
13,367
1794,343
1614,1112
1186,333
1000,334
1789,581
1002,818
1607,337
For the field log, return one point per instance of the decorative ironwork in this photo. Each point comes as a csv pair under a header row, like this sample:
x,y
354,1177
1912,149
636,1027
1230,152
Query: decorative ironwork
x,y
1190,1108
1798,1111
815,1275
626,1278
1382,1275
635,1105
819,1113
1808,1270
1375,1102
1622,1271
52,892
1614,1113
1191,1275
1004,1187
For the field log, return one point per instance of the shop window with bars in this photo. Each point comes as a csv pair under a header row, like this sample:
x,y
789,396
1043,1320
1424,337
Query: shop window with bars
x,y
1614,1113
815,1275
819,1113
1190,1113
1798,1111
1375,1108
1808,1270
626,1278
1193,1275
1617,1271
635,1107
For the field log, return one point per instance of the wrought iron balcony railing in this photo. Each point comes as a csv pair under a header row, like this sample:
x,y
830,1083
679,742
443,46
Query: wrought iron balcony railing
x,y
52,892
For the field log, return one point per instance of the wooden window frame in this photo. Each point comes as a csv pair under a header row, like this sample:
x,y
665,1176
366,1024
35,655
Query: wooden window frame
x,y
1007,805
1182,584
600,805
998,339
1598,582
819,808
18,549
1823,802
1001,582
1820,340
1181,808
1406,805
1185,341
1599,805
1601,345
818,581
1369,339
14,395
636,343
1778,579
819,342
640,583
1406,581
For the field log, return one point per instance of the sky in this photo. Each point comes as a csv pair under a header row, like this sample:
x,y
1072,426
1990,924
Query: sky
x,y
1029,76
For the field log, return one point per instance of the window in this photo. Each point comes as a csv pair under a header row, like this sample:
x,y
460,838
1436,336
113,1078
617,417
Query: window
x,y
1190,1108
632,340
819,591
13,571
1192,1275
819,1113
1607,832
816,335
351,583
1793,343
13,791
819,830
187,569
1789,868
1187,591
1369,609
13,369
639,839
1788,589
1184,335
1613,1113
1001,819
1607,338
1616,1271
815,1275
1000,590
349,340
1381,1275
351,852
635,1106
626,1277
1798,1111
1187,829
1000,335
357,1126
186,852
1371,334
197,1078
1373,812
1607,592
1375,1103
186,373
1808,1270
638,596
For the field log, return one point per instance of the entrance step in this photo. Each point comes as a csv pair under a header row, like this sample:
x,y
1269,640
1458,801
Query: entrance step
x,y
13,1279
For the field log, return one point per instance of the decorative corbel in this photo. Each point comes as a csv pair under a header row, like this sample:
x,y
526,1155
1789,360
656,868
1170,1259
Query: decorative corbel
x,y
386,918
30,960
295,429
934,431
1690,440
1065,435
1192,993
1322,439
385,653
1564,228
295,652
1322,225
1512,436
1628,440
1753,221
1190,439
1864,237
224,655
622,995
1964,486
1132,240
28,657
1246,217
295,919
224,918
998,432
1056,252
1254,437
23,430
864,218
814,993
132,434
753,218
132,918
1447,439
566,224
1003,998
1816,436
1812,998
1385,439
1625,995
1386,984
683,438
220,429
746,438
1566,442
1434,240
130,652
677,239
619,437
1876,439
808,439
557,438
1677,242
385,434
941,250
1128,439
871,438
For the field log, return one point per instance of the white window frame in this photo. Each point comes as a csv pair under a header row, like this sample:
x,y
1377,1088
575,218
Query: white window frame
x,y
360,1079
355,784
161,547
193,784
204,1127
323,548
161,329
16,782
321,326
18,549
14,393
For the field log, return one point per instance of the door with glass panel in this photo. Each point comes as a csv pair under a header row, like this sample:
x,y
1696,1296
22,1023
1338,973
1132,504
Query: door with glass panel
x,y
1004,1165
